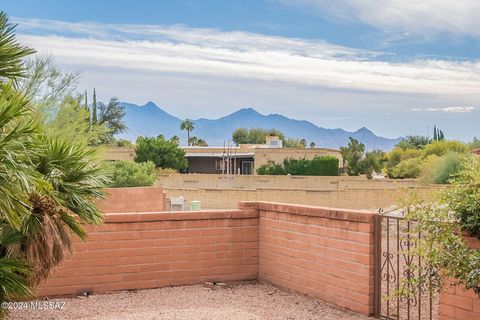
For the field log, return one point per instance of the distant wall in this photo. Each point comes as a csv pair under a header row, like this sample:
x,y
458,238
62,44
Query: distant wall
x,y
139,199
194,181
119,153
346,198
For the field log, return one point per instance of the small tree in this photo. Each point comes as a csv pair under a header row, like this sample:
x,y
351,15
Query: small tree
x,y
189,126
352,155
257,136
111,116
175,139
413,142
312,144
373,162
198,142
164,153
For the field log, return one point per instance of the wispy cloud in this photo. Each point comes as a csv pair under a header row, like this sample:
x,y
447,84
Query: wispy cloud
x,y
420,17
241,55
206,73
446,109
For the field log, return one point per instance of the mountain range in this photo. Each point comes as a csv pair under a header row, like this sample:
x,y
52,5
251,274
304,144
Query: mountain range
x,y
150,120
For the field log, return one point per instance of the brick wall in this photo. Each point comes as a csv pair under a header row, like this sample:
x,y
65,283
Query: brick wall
x,y
149,250
325,253
140,199
457,303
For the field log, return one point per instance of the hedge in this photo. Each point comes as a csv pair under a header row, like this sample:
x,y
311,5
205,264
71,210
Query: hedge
x,y
318,166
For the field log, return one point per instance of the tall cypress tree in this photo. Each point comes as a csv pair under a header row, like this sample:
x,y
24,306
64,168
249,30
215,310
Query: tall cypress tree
x,y
94,108
86,107
435,133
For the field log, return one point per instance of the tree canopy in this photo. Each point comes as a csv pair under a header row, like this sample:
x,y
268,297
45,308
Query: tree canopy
x,y
259,135
352,155
163,153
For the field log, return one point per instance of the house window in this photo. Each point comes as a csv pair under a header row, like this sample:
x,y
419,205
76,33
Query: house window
x,y
219,164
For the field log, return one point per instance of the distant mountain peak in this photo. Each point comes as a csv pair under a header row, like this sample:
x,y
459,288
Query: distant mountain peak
x,y
150,104
364,130
246,111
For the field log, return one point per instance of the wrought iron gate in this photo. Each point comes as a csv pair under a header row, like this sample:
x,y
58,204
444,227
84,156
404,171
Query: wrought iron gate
x,y
396,266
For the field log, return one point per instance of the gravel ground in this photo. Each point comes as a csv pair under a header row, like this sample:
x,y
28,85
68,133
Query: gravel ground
x,y
243,301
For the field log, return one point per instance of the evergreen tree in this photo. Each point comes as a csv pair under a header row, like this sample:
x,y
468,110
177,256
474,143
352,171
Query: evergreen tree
x,y
87,108
353,155
435,135
94,108
441,136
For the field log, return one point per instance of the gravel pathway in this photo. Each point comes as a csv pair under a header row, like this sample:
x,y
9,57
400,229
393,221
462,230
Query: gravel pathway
x,y
244,301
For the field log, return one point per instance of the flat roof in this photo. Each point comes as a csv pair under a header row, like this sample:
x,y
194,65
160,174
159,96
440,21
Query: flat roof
x,y
218,154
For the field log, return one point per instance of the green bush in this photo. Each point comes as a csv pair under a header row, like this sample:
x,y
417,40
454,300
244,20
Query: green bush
x,y
132,174
440,148
410,168
164,153
464,196
439,170
271,169
318,166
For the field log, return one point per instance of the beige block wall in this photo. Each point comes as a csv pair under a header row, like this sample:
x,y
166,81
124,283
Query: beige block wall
x,y
119,153
371,199
278,182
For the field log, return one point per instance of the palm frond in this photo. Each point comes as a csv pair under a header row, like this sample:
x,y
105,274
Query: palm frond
x,y
12,54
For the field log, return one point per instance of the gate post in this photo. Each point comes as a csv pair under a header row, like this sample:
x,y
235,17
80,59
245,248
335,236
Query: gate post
x,y
377,283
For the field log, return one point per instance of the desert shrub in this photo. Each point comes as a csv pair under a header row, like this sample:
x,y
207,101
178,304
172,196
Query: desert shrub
x,y
166,171
439,170
464,196
271,169
409,168
443,224
396,157
132,174
123,143
439,148
374,161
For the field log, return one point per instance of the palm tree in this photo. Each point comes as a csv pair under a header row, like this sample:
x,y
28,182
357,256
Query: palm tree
x,y
188,125
303,143
16,179
16,176
48,184
76,180
12,65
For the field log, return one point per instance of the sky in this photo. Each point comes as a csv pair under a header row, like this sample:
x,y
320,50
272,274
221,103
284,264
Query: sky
x,y
397,67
